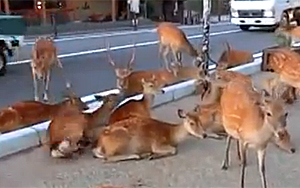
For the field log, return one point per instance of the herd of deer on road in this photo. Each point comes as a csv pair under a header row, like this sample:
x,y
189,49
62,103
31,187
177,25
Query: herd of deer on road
x,y
230,106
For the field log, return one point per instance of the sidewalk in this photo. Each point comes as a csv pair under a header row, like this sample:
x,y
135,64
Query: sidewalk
x,y
88,27
197,163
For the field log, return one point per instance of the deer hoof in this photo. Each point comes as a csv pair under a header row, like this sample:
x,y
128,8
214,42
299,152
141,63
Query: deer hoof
x,y
224,167
97,153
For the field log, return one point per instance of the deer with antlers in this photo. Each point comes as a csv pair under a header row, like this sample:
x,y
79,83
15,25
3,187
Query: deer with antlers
x,y
44,57
253,120
173,39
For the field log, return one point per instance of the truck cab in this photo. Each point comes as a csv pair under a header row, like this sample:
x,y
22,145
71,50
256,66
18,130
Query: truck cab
x,y
259,13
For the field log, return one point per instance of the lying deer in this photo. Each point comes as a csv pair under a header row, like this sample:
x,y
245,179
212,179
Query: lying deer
x,y
71,127
138,137
275,87
188,72
129,81
137,107
44,57
174,39
232,57
25,113
253,120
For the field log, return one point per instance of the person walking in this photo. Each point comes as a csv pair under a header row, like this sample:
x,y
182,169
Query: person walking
x,y
134,11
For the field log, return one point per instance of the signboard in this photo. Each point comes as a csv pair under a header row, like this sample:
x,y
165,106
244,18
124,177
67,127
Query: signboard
x,y
12,25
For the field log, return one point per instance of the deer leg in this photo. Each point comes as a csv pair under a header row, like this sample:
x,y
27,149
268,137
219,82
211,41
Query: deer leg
x,y
179,57
35,85
243,168
46,82
261,155
162,151
119,158
165,53
160,52
226,159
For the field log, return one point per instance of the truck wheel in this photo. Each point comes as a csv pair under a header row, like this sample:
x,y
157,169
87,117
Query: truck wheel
x,y
2,64
244,27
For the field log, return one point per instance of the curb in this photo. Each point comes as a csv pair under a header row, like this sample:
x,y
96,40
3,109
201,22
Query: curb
x,y
16,141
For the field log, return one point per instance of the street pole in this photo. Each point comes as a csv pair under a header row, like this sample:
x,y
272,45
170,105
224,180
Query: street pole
x,y
206,27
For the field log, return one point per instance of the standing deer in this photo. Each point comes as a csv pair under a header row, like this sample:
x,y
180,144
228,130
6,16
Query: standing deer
x,y
25,113
138,107
44,57
253,120
137,137
174,39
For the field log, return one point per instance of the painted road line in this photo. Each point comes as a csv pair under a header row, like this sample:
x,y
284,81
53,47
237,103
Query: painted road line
x,y
26,138
88,52
112,34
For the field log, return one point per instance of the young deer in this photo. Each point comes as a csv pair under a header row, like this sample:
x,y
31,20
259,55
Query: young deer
x,y
172,38
285,63
286,92
253,120
137,107
71,127
129,81
137,137
25,113
231,57
44,57
188,72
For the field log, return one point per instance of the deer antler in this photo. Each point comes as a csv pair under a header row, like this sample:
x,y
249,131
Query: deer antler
x,y
108,55
227,45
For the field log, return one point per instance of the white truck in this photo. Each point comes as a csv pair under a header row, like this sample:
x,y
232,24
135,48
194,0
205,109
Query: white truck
x,y
12,29
259,13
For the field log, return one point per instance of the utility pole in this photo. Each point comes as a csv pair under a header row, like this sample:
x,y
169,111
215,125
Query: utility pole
x,y
206,27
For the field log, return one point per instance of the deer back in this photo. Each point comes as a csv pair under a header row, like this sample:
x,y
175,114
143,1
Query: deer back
x,y
172,36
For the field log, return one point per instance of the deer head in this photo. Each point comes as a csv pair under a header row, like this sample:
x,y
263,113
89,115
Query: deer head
x,y
151,86
72,99
121,72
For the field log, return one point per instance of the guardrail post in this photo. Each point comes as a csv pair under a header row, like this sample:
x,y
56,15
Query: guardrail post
x,y
206,27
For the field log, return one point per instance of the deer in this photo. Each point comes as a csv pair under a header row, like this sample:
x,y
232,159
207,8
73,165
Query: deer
x,y
138,107
183,73
72,130
44,57
252,119
232,57
171,38
274,86
25,113
210,117
285,64
129,81
143,137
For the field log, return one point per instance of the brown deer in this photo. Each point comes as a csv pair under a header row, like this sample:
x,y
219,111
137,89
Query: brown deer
x,y
171,38
138,137
129,81
274,86
138,107
188,72
285,63
70,128
25,113
232,57
44,57
253,120
210,117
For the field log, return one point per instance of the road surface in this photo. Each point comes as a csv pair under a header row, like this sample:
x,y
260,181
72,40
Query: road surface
x,y
92,73
197,163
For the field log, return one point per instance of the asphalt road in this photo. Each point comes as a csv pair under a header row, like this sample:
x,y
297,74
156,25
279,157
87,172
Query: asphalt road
x,y
92,73
197,164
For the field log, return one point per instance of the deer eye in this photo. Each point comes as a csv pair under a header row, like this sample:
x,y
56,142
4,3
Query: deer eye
x,y
286,114
269,114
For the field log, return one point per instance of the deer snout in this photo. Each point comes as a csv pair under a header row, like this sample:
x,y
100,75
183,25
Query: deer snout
x,y
293,150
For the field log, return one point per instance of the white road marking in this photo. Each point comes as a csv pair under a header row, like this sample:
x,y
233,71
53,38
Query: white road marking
x,y
87,52
112,34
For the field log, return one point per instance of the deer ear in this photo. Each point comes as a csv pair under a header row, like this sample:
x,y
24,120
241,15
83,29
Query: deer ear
x,y
143,80
181,114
